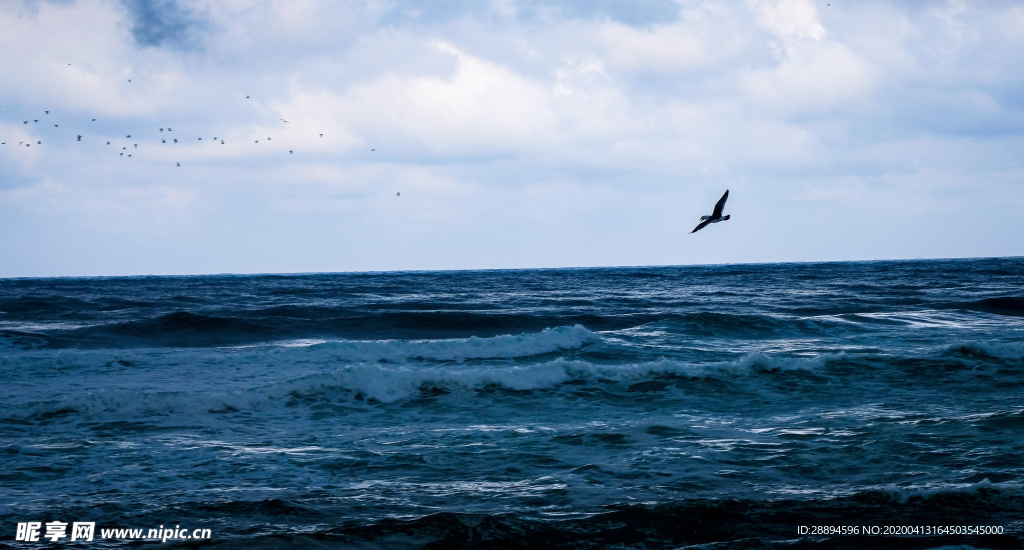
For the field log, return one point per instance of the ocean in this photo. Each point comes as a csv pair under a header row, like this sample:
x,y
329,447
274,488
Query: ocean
x,y
847,405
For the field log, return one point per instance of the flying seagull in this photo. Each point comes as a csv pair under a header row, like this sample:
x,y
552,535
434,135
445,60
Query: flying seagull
x,y
715,216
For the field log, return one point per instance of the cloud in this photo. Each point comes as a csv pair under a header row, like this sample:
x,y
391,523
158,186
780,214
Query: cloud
x,y
164,23
562,133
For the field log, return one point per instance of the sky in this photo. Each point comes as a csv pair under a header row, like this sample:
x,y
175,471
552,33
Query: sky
x,y
504,134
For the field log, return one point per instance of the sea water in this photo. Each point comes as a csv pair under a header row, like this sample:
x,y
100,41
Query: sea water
x,y
648,407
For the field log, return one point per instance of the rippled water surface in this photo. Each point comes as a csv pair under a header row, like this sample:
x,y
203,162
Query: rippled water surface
x,y
590,408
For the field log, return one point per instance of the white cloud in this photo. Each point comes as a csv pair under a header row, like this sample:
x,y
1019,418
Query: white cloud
x,y
562,133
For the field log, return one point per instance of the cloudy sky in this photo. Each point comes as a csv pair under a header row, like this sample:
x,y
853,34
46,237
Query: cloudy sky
x,y
520,133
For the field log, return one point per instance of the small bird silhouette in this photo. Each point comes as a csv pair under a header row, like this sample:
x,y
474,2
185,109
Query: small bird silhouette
x,y
128,136
175,140
79,137
163,141
321,135
398,194
222,142
47,112
291,152
94,120
179,164
372,149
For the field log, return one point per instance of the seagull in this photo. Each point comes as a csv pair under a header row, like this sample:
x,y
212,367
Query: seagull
x,y
715,216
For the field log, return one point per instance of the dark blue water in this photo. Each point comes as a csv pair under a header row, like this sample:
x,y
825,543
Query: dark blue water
x,y
717,406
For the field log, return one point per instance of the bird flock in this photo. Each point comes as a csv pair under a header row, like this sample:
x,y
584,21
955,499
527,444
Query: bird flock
x,y
126,147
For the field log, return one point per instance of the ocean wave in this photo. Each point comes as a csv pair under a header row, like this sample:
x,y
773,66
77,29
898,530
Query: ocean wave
x,y
1011,351
689,523
460,349
1002,305
388,383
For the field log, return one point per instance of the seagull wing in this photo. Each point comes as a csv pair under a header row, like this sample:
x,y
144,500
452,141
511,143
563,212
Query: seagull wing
x,y
701,226
720,205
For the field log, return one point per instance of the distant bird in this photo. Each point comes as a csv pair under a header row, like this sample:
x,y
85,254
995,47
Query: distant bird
x,y
222,142
47,112
129,80
79,137
283,120
35,120
122,154
257,141
163,141
136,145
398,194
168,129
94,120
26,122
200,139
39,143
321,135
291,152
372,149
179,164
715,216
128,136
246,97
55,126
108,143
161,129
268,138
175,140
